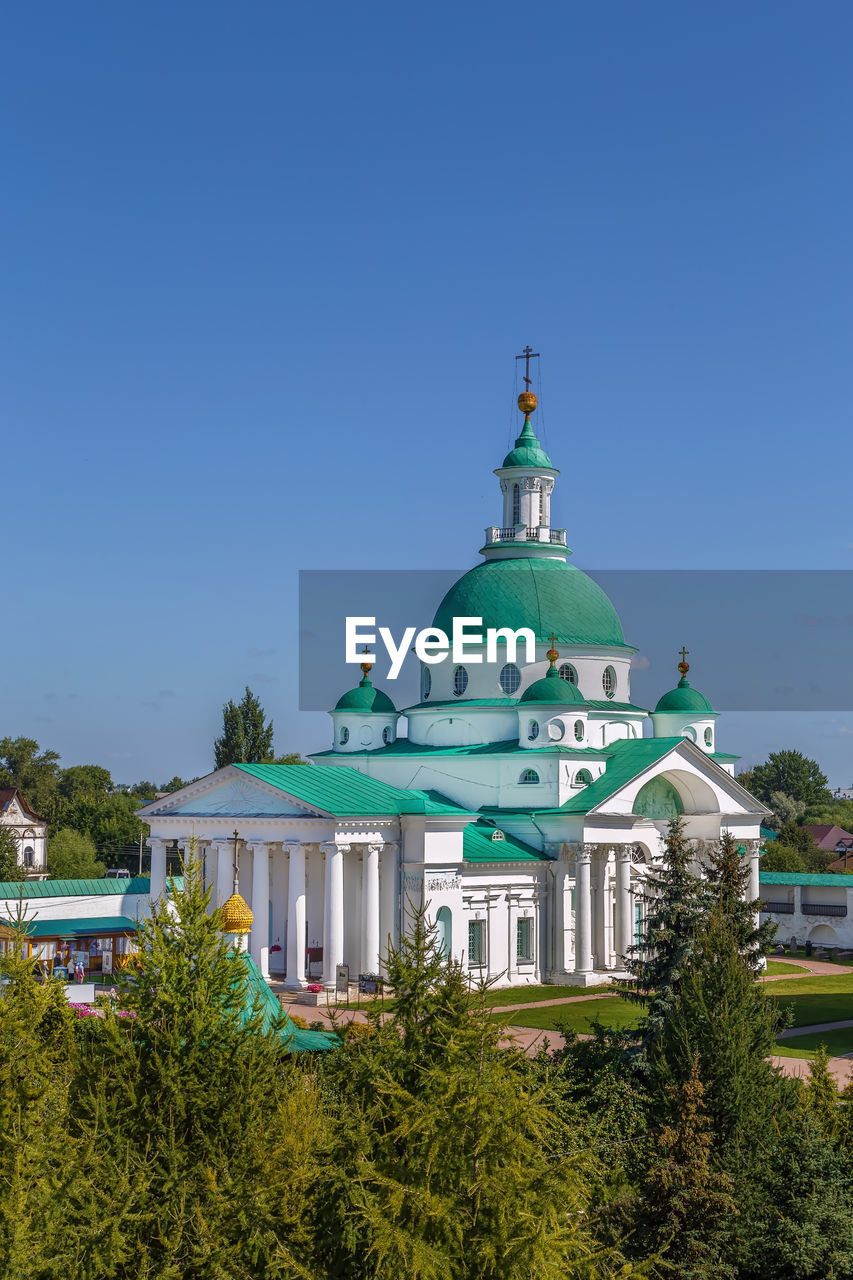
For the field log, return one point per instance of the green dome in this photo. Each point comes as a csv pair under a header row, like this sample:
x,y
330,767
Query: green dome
x,y
683,698
547,595
365,698
554,689
528,452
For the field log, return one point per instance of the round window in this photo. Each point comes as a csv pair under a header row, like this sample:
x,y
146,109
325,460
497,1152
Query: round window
x,y
510,678
426,683
556,730
344,736
579,730
568,673
460,681
608,681
532,731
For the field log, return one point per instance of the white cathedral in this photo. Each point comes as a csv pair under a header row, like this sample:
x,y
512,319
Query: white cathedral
x,y
524,804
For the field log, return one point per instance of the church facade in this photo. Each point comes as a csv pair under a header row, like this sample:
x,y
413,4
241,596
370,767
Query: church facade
x,y
524,803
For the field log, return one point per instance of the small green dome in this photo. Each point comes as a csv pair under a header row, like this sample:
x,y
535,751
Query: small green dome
x,y
547,595
365,698
554,689
528,452
683,698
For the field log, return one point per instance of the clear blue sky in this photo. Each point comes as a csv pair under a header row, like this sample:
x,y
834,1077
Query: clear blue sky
x,y
265,268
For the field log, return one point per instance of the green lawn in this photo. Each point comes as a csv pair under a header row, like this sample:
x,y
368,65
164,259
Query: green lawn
x,y
779,966
815,999
614,1012
530,995
836,1042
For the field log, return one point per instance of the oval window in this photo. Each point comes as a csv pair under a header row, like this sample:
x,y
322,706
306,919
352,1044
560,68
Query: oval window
x,y
366,735
608,681
386,735
529,777
579,730
568,673
532,731
426,683
708,737
556,730
344,736
460,681
510,678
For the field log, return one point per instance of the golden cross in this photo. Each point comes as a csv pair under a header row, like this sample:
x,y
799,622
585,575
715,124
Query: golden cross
x,y
527,355
684,652
553,639
236,858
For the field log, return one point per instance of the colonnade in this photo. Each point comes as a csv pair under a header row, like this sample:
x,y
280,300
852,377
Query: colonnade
x,y
591,910
379,898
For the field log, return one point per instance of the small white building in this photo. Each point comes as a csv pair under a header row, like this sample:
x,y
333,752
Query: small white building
x,y
29,830
809,907
93,919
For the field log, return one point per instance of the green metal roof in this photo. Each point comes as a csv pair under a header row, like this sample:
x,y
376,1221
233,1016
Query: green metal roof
x,y
684,698
546,595
84,926
528,452
366,698
626,759
840,881
553,690
260,996
72,888
345,792
508,746
479,845
604,704
464,702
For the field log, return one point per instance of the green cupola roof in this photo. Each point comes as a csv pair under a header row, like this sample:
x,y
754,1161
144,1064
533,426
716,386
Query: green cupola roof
x,y
554,689
528,452
365,698
684,698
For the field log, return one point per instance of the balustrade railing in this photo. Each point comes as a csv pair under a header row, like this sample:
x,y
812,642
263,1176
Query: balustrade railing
x,y
824,908
780,908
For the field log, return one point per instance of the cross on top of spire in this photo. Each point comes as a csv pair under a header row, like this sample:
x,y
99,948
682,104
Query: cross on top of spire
x,y
684,665
527,355
527,400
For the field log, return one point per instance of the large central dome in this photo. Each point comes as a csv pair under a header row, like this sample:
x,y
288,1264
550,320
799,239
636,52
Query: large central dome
x,y
547,595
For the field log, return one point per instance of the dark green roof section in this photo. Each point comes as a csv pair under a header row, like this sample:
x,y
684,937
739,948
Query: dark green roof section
x,y
553,690
528,452
604,704
839,881
366,699
511,703
546,595
509,746
685,698
344,792
72,888
626,759
84,927
722,755
483,842
259,997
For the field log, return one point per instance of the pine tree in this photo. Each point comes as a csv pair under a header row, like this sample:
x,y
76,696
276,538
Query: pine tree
x,y
821,1096
688,1200
727,874
678,904
450,1163
246,736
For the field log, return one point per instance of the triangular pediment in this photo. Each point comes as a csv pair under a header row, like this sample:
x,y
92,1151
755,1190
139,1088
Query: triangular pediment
x,y
229,793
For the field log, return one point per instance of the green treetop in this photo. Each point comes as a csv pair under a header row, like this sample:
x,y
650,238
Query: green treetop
x,y
246,737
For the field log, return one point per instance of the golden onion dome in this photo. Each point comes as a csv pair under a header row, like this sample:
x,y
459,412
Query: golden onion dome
x,y
527,402
237,915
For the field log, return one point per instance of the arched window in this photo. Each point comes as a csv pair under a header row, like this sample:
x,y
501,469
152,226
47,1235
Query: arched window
x,y
658,799
709,737
529,777
29,856
608,681
386,735
516,504
583,778
460,681
510,678
556,730
568,673
532,731
443,930
426,682
579,730
343,739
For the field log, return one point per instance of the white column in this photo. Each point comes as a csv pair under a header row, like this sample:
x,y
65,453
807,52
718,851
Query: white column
x,y
296,917
389,900
754,883
333,912
158,868
370,909
558,906
224,872
583,912
259,944
624,924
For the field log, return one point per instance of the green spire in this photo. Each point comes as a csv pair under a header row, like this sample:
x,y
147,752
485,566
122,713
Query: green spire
x,y
528,452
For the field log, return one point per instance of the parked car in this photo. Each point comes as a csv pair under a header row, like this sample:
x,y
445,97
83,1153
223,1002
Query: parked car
x,y
118,873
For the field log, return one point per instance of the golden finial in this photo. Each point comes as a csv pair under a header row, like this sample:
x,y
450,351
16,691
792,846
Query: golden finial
x,y
236,913
527,400
684,665
552,655
366,667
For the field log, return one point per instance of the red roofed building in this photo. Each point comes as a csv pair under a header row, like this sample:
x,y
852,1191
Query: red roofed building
x,y
834,839
29,830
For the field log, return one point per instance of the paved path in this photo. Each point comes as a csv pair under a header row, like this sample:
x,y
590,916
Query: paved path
x,y
820,968
815,1026
841,1069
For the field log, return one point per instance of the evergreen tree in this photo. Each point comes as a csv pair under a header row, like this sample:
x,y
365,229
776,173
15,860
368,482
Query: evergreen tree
x,y
677,903
688,1200
450,1162
246,737
727,874
821,1096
